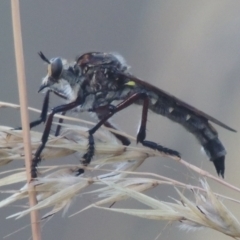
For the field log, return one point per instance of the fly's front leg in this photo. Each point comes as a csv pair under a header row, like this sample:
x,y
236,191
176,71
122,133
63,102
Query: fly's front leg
x,y
63,108
43,115
59,126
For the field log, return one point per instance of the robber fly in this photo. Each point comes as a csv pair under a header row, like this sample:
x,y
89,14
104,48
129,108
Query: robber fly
x,y
96,80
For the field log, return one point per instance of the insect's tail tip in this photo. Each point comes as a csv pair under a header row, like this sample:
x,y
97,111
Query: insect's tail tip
x,y
219,164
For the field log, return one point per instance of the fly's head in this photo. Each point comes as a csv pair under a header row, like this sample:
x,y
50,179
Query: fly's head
x,y
92,73
62,78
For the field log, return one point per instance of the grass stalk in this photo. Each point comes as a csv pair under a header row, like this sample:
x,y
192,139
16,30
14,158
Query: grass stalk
x,y
19,56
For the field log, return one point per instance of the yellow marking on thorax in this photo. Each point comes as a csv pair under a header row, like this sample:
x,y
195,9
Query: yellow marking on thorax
x,y
130,83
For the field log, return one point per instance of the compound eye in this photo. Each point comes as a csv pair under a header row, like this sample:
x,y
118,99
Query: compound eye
x,y
55,68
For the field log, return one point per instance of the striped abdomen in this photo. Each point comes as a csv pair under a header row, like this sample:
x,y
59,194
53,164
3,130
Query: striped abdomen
x,y
197,125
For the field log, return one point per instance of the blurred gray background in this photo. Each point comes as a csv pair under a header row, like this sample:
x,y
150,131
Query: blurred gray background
x,y
188,48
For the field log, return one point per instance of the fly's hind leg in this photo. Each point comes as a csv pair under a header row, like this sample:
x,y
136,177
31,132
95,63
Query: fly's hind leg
x,y
142,132
110,110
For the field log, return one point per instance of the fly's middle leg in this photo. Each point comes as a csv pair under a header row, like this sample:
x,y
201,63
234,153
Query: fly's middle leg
x,y
110,110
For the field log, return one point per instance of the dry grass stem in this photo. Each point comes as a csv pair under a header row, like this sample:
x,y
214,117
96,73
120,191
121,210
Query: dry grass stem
x,y
19,57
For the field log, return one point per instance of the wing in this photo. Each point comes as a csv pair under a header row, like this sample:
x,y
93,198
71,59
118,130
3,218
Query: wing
x,y
177,101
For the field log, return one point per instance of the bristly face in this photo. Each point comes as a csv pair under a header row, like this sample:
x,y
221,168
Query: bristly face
x,y
62,78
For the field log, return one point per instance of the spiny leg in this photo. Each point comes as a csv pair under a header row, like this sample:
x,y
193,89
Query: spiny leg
x,y
36,160
91,148
111,110
142,132
43,115
58,129
102,113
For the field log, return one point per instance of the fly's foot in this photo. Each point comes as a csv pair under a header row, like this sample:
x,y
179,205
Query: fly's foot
x,y
90,152
79,172
160,148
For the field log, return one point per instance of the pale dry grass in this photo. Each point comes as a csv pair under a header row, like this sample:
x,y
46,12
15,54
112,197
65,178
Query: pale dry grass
x,y
113,174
